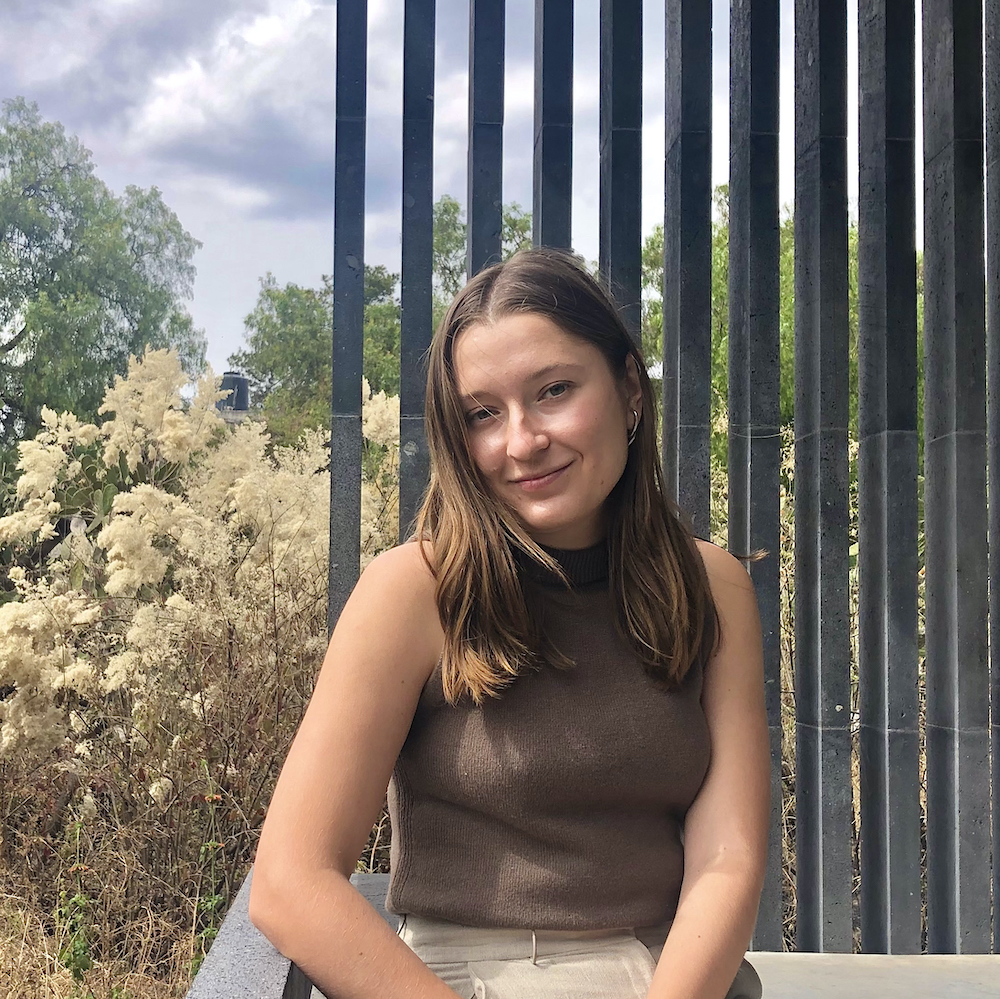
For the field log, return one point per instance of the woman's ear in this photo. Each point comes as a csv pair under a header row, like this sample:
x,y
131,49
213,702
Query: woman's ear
x,y
633,387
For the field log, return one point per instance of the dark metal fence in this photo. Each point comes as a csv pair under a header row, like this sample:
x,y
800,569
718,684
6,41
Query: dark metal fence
x,y
916,891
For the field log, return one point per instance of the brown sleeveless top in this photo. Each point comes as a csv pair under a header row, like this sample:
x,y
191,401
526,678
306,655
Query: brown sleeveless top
x,y
560,804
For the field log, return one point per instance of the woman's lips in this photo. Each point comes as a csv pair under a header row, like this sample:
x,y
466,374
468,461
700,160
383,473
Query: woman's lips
x,y
531,485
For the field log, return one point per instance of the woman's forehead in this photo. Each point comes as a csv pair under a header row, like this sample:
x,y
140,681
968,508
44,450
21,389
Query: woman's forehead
x,y
519,347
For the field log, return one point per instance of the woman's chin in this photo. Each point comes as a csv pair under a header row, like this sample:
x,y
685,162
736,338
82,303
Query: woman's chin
x,y
561,533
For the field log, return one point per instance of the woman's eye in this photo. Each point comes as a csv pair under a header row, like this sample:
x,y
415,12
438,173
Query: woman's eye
x,y
560,388
478,416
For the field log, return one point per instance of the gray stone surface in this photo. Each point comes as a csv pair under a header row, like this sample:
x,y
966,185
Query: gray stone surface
x,y
620,244
348,302
877,976
417,249
553,157
992,72
887,483
822,395
956,660
687,249
486,109
754,371
242,964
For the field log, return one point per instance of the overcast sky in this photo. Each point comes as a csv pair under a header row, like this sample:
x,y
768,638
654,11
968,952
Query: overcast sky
x,y
228,107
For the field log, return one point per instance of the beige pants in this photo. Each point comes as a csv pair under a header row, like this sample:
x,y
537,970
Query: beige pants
x,y
479,963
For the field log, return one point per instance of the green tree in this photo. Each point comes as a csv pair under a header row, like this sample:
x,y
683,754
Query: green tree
x,y
381,334
86,277
450,234
449,247
652,311
652,303
287,356
287,353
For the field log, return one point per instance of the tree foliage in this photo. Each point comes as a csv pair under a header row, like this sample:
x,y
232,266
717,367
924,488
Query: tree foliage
x,y
87,278
287,357
288,350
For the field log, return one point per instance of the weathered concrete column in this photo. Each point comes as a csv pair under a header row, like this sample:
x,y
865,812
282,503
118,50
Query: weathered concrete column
x,y
687,258
552,220
416,287
754,372
992,69
620,248
887,481
348,304
822,609
486,79
958,808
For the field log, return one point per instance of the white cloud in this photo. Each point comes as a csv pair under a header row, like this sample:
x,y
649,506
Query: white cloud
x,y
273,61
52,42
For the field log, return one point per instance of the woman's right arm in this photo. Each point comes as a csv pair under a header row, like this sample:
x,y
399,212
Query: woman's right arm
x,y
331,788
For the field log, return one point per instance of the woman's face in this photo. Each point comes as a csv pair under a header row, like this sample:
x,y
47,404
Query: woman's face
x,y
547,423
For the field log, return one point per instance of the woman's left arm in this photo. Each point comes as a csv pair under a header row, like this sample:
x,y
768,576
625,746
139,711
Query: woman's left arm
x,y
725,831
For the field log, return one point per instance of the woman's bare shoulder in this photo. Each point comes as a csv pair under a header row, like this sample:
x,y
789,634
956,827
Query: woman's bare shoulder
x,y
734,597
399,585
401,572
391,621
724,570
409,562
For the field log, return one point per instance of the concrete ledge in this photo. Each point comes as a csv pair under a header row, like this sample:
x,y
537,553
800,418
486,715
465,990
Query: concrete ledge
x,y
871,976
878,976
243,964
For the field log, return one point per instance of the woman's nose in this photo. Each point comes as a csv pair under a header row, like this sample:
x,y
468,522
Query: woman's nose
x,y
524,436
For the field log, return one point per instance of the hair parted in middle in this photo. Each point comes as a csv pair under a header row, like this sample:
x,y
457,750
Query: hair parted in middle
x,y
662,600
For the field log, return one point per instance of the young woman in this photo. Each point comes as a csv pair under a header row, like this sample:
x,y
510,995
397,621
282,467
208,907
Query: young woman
x,y
564,686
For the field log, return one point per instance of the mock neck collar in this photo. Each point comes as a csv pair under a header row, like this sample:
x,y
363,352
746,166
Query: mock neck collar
x,y
582,566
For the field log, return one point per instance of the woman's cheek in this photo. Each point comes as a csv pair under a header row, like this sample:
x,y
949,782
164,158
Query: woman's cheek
x,y
486,455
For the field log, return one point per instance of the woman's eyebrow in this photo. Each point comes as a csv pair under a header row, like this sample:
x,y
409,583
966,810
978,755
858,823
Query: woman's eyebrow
x,y
472,397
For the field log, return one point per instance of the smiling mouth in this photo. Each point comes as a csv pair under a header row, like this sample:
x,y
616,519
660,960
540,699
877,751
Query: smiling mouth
x,y
540,481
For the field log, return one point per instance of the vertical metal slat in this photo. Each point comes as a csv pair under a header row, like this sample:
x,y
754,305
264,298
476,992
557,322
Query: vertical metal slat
x,y
992,23
958,807
687,248
754,374
553,160
822,612
887,482
620,248
416,297
348,304
486,78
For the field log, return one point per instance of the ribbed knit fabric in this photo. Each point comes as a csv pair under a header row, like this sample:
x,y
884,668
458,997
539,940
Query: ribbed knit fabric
x,y
560,804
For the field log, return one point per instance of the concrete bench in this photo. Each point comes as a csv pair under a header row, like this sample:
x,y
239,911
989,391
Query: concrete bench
x,y
243,964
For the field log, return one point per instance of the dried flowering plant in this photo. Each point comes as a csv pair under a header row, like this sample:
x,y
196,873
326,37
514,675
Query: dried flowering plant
x,y
161,626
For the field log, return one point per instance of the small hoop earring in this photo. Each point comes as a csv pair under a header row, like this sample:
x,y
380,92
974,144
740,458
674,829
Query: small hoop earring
x,y
635,428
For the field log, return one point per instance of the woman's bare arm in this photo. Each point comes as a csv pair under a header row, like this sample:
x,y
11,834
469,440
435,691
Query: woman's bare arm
x,y
725,832
331,788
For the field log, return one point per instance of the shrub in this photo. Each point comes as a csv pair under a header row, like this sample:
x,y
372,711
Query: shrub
x,y
162,626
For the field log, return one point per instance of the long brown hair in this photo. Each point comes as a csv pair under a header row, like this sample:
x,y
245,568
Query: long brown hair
x,y
662,600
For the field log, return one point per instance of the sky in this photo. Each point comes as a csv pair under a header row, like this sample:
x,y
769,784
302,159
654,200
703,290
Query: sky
x,y
227,107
